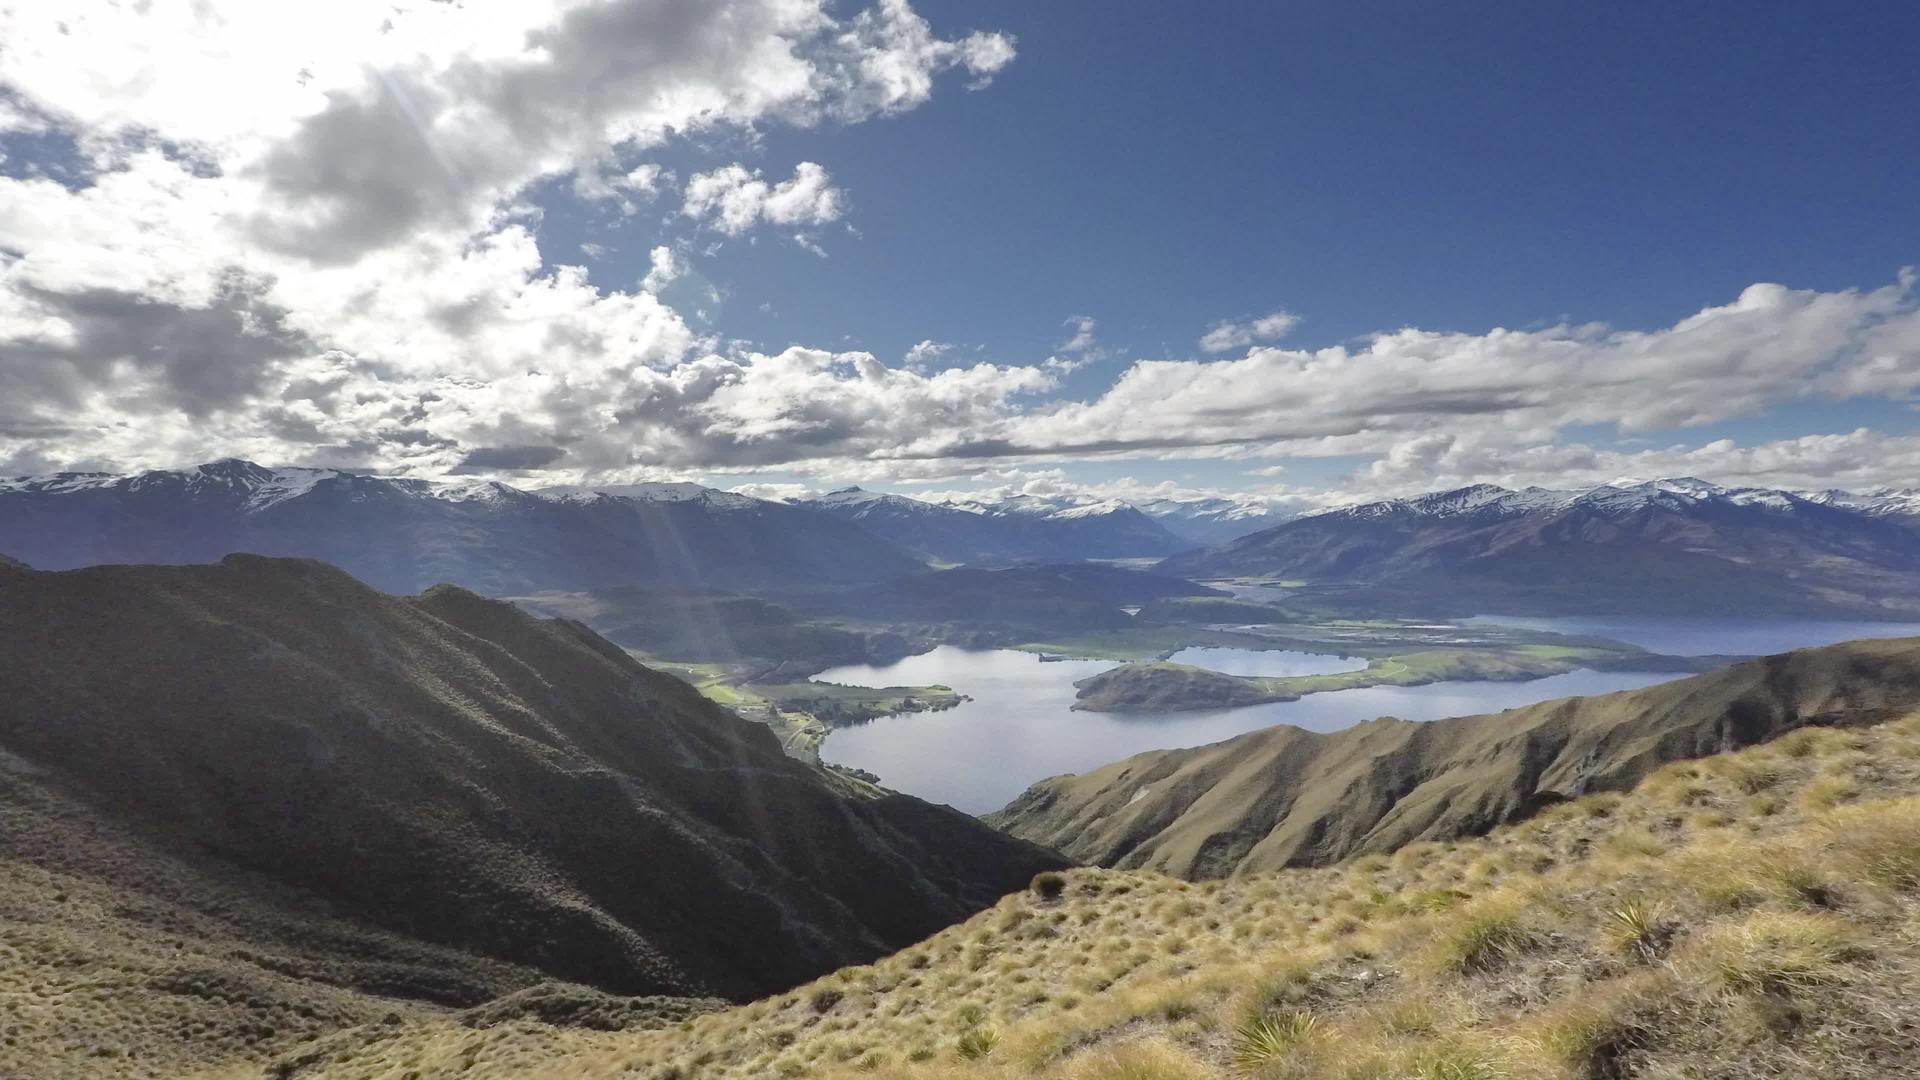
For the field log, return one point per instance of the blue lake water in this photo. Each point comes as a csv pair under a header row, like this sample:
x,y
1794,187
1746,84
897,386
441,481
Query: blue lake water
x,y
1020,726
1707,637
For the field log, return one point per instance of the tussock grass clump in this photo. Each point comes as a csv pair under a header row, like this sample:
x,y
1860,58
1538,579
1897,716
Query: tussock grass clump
x,y
1149,1059
976,1043
1881,842
1484,938
1776,953
1268,1039
1640,928
1048,885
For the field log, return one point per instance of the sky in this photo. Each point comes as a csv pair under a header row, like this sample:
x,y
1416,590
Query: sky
x,y
1290,254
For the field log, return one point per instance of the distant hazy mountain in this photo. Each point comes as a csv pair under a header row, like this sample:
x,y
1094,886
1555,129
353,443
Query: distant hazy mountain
x,y
1283,797
269,771
1020,529
1903,504
1681,546
1212,521
404,535
1058,597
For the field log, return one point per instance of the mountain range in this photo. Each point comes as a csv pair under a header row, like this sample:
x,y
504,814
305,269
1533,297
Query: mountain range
x,y
1283,796
1023,528
433,797
1679,546
405,535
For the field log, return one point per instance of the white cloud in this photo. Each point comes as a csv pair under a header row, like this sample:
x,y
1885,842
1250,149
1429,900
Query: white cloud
x,y
302,233
925,353
1771,346
734,199
1227,335
305,236
1860,460
664,268
634,188
995,484
775,491
1082,339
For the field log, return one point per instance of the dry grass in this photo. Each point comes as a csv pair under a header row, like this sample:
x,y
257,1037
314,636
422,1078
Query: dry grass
x,y
1613,936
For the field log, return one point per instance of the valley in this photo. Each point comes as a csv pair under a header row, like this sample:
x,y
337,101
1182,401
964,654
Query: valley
x,y
845,539
1018,681
1020,725
588,819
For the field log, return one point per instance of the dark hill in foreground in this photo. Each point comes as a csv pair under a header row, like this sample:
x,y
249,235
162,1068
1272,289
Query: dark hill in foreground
x,y
447,797
1282,796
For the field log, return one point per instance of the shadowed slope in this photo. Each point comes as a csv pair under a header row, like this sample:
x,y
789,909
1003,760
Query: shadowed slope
x,y
1287,797
461,774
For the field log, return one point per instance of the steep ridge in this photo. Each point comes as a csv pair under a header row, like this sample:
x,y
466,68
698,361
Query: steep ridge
x,y
449,773
1287,797
405,535
1678,546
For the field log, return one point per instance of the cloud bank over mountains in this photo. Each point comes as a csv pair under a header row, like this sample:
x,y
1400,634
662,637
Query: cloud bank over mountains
x,y
308,236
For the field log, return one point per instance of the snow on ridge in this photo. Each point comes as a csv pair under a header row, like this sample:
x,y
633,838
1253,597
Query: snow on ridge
x,y
1087,510
657,491
61,482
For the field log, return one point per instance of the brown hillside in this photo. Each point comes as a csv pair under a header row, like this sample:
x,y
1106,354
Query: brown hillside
x,y
1748,916
444,773
1286,797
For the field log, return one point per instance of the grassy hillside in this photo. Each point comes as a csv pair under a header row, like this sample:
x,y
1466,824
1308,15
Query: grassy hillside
x,y
1748,915
220,783
1282,796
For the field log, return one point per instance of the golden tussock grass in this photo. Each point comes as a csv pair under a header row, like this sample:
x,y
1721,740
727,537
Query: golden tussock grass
x,y
1734,917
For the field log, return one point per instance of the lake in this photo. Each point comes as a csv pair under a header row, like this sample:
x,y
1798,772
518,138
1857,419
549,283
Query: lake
x,y
1020,726
1679,636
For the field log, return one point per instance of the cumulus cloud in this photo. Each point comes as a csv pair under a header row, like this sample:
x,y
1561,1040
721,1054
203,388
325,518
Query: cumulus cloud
x,y
734,199
309,234
1770,347
1862,460
304,234
1227,335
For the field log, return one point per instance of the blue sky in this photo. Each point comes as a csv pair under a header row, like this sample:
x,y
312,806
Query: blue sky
x,y
1386,184
1368,166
